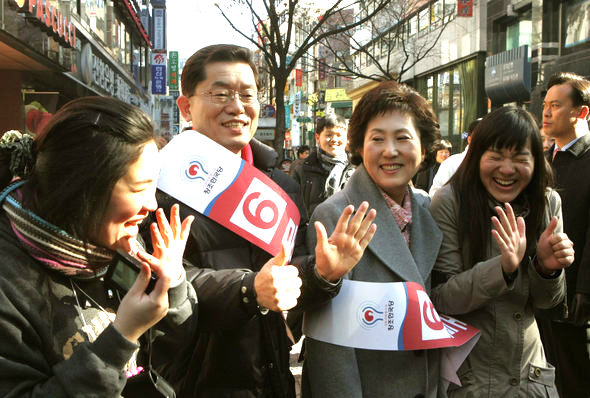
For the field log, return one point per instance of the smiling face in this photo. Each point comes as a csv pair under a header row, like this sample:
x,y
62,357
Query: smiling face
x,y
133,197
232,124
392,152
505,173
332,140
442,154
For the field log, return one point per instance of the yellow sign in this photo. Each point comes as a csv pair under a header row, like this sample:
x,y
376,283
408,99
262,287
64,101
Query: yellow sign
x,y
336,94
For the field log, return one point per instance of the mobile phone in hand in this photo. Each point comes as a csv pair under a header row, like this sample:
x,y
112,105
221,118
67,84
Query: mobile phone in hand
x,y
123,272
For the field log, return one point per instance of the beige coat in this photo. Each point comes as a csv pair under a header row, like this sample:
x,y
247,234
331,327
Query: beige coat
x,y
508,360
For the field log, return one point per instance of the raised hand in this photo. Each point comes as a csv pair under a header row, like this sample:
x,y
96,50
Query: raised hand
x,y
169,241
554,251
338,254
277,284
139,311
510,234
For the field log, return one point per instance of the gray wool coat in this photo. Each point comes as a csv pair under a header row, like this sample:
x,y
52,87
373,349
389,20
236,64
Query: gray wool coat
x,y
337,371
508,359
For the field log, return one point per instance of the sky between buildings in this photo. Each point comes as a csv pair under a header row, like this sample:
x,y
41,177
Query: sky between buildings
x,y
196,24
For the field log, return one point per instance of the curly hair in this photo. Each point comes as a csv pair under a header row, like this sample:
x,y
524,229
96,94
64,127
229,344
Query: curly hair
x,y
388,97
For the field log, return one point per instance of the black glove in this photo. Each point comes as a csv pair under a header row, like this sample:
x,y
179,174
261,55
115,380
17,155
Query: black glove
x,y
580,311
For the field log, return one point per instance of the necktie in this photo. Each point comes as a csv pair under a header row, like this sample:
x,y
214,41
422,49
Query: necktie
x,y
555,150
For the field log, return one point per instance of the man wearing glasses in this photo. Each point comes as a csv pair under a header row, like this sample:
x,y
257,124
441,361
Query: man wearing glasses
x,y
241,348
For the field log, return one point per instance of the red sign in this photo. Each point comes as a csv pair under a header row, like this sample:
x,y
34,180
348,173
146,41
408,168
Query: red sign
x,y
298,77
52,17
465,8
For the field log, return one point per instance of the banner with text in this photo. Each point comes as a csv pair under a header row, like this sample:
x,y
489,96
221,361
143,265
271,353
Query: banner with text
x,y
220,185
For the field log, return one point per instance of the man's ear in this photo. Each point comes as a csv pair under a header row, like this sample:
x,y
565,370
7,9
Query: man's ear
x,y
583,114
317,138
184,106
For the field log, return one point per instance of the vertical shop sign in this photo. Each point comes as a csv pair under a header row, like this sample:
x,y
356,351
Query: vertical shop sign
x,y
159,42
298,77
321,69
173,70
465,8
297,105
287,116
158,73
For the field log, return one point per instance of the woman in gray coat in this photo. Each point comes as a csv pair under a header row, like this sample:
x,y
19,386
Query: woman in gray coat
x,y
391,129
494,279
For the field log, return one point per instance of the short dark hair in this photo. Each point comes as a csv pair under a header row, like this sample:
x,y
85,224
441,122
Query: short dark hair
x,y
302,149
472,126
329,122
442,144
193,71
387,97
82,152
580,94
505,127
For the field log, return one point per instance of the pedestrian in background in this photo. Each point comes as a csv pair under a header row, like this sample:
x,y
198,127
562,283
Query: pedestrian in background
x,y
326,170
84,186
302,153
423,179
390,130
496,284
565,118
452,163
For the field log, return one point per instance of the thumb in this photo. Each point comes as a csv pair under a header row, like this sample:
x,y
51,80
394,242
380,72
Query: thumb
x,y
141,283
550,228
321,234
281,258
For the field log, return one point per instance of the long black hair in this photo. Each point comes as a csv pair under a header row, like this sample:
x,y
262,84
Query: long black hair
x,y
82,152
507,127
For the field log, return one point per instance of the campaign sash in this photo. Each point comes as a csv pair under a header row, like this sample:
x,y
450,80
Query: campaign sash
x,y
390,316
220,185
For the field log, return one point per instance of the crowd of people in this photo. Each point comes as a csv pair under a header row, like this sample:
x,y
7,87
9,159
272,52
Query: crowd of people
x,y
498,236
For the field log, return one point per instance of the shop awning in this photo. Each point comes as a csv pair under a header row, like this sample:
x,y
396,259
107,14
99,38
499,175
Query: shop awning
x,y
341,104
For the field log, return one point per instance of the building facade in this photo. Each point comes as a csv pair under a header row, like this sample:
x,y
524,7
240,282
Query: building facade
x,y
53,51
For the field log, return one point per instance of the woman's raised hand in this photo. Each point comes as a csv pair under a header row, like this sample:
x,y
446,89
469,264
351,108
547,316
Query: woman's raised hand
x,y
510,234
139,311
554,251
339,253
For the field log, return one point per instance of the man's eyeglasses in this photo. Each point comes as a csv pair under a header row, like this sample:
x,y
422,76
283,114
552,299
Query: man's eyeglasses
x,y
223,96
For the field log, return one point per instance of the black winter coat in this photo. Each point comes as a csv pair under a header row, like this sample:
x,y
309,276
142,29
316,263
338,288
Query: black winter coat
x,y
238,351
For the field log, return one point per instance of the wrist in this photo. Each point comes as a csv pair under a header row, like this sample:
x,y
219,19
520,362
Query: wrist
x,y
545,272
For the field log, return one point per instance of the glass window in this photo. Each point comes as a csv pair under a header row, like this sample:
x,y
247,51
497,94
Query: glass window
x,y
430,90
443,102
93,12
457,105
436,13
423,19
450,9
578,23
412,26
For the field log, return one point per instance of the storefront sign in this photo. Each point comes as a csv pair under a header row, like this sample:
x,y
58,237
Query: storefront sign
x,y
50,16
336,94
158,73
465,8
298,77
159,41
173,70
97,72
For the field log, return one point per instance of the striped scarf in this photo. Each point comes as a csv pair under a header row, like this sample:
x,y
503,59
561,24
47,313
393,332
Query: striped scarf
x,y
50,245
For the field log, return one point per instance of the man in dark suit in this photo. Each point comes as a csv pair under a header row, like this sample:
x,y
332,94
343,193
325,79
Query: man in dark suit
x,y
565,118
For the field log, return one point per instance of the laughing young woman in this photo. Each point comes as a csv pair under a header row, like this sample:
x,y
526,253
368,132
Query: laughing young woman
x,y
86,183
495,278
